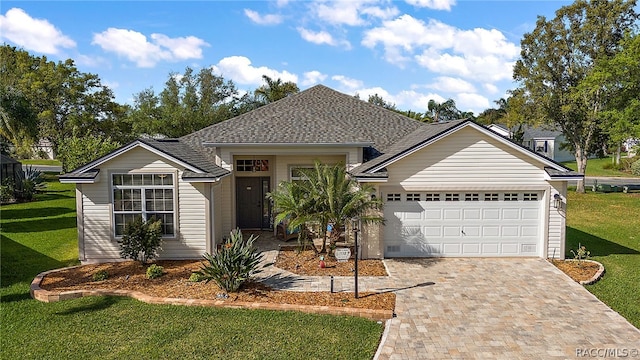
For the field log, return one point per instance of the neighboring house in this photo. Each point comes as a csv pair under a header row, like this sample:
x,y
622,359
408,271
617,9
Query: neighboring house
x,y
11,169
44,149
543,141
450,189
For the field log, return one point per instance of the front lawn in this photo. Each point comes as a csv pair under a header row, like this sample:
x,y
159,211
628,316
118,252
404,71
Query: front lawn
x,y
41,162
41,235
608,225
596,167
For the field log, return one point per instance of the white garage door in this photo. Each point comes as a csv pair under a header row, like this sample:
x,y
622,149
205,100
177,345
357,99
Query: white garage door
x,y
506,223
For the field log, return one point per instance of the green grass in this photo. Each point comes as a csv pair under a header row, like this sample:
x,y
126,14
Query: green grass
x,y
41,235
595,167
40,162
608,225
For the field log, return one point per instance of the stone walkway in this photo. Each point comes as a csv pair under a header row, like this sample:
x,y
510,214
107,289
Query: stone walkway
x,y
484,308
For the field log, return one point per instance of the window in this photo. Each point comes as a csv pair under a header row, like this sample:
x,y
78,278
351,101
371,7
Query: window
x,y
471,197
491,197
252,165
413,197
451,197
511,197
432,197
393,197
530,197
297,172
145,195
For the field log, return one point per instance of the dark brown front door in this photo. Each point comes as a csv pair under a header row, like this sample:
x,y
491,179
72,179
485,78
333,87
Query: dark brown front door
x,y
252,209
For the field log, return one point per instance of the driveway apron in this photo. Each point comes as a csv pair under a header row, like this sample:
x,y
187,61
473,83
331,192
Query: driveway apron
x,y
498,308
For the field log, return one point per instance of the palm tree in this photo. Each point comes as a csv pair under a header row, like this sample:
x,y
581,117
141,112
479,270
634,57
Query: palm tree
x,y
327,195
444,111
275,90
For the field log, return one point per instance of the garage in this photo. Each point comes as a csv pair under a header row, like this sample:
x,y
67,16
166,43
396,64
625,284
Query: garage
x,y
455,223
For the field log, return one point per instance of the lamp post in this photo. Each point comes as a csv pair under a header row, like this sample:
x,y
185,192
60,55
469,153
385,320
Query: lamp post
x,y
354,223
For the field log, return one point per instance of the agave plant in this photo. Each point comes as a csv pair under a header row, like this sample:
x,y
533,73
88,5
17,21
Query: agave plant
x,y
235,263
30,182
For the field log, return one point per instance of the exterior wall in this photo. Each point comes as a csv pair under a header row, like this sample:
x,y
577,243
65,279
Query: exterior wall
x,y
557,225
99,243
466,159
372,238
561,155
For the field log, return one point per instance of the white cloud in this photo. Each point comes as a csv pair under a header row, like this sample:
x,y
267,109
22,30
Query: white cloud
x,y
137,48
451,85
320,37
33,34
349,12
492,89
240,70
268,19
433,4
479,54
472,102
347,82
313,77
416,101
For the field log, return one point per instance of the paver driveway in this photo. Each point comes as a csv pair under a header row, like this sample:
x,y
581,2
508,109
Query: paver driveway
x,y
499,308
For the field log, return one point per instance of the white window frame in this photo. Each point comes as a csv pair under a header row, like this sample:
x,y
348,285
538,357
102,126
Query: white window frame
x,y
143,212
393,197
296,167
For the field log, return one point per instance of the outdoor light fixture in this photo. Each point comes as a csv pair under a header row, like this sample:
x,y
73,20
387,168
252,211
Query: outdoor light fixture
x,y
557,201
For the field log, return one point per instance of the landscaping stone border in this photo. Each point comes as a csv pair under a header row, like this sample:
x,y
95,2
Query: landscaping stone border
x,y
599,274
52,296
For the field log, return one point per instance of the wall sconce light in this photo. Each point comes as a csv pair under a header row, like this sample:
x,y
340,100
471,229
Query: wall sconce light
x,y
557,201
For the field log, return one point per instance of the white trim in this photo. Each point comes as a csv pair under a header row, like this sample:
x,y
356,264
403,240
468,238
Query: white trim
x,y
267,145
132,146
202,179
480,128
78,181
371,180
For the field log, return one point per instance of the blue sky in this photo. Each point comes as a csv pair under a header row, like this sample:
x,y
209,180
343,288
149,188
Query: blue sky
x,y
408,52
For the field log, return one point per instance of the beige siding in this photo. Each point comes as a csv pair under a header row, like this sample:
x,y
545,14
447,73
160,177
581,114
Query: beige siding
x,y
99,243
557,228
467,159
284,163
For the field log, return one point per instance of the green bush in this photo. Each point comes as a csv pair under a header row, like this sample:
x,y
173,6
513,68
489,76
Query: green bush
x,y
154,271
7,193
100,275
235,262
30,182
196,277
635,168
141,240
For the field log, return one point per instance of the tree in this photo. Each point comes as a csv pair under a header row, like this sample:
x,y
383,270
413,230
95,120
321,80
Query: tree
x,y
76,151
326,195
619,80
63,99
18,122
376,99
556,58
188,102
275,90
445,111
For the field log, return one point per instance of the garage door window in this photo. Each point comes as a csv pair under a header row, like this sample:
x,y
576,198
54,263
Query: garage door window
x,y
413,197
432,197
491,197
530,197
451,197
511,197
471,197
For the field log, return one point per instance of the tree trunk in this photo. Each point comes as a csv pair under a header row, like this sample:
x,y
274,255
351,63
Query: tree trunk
x,y
618,151
581,162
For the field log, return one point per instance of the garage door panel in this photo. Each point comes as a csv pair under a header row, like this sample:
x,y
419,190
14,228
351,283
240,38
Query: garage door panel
x,y
479,224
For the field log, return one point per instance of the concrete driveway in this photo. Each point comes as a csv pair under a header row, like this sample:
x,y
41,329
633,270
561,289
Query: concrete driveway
x,y
499,308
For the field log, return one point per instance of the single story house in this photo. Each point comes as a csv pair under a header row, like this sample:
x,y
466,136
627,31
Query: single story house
x,y
11,169
544,141
450,189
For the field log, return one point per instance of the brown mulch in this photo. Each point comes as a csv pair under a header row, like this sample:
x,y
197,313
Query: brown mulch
x,y
175,283
307,262
577,271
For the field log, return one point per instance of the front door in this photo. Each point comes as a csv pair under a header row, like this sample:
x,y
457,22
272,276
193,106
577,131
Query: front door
x,y
252,208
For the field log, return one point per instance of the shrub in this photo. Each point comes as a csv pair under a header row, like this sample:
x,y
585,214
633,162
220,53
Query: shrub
x,y
7,193
154,271
30,182
100,275
235,262
196,277
581,254
635,168
141,240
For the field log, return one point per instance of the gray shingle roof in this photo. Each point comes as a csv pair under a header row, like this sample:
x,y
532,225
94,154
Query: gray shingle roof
x,y
407,143
555,173
318,115
182,151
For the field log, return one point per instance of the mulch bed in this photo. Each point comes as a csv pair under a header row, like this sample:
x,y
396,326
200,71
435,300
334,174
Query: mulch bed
x,y
174,283
577,271
307,262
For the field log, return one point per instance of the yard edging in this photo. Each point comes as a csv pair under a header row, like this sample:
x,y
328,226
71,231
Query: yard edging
x,y
597,275
53,296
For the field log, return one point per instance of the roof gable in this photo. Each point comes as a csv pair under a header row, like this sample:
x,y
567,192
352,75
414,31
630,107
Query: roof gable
x,y
431,133
316,116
